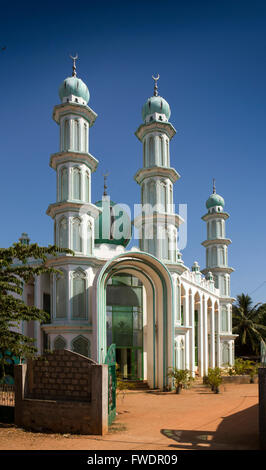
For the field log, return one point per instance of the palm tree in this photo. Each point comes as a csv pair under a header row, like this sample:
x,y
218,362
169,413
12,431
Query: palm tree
x,y
248,324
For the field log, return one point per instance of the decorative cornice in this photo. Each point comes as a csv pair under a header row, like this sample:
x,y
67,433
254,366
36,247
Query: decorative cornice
x,y
217,241
218,270
158,217
155,126
74,108
75,157
155,171
215,215
68,206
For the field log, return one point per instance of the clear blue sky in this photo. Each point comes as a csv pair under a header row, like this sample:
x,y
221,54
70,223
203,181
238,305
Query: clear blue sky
x,y
211,56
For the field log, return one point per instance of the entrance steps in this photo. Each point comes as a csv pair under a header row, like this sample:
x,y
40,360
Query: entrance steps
x,y
137,384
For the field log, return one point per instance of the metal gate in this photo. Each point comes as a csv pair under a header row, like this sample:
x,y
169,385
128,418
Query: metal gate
x,y
110,360
7,403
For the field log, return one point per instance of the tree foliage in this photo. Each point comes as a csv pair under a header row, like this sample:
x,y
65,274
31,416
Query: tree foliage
x,y
18,265
249,324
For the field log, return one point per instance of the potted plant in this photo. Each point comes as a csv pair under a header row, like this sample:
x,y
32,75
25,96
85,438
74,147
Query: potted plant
x,y
182,378
215,379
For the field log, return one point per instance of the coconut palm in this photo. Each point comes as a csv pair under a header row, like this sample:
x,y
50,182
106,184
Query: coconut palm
x,y
248,324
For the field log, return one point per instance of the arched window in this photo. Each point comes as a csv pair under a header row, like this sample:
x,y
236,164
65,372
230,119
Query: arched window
x,y
59,343
81,345
152,193
161,151
76,143
225,353
89,239
63,241
163,191
144,154
63,184
151,151
76,183
87,187
61,286
79,295
76,235
85,138
214,256
224,319
66,135
167,154
213,229
165,244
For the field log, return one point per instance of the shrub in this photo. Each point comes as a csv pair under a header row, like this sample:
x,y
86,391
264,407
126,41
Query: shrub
x,y
182,378
214,379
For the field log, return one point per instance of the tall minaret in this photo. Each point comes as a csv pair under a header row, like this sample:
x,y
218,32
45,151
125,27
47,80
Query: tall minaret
x,y
73,212
217,255
158,224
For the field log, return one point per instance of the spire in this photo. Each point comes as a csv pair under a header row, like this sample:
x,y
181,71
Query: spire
x,y
74,73
155,92
213,186
105,185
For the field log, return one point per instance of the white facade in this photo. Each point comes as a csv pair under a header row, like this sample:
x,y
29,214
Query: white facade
x,y
159,313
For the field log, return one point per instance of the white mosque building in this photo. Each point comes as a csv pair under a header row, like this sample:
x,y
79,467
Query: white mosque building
x,y
158,313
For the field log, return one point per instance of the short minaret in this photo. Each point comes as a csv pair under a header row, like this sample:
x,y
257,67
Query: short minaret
x,y
217,264
73,212
217,244
158,224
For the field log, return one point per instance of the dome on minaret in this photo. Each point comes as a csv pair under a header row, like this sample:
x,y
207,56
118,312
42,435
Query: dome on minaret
x,y
214,199
74,86
156,104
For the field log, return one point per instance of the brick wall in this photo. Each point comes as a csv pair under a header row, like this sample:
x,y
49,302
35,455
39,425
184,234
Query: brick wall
x,y
62,392
61,375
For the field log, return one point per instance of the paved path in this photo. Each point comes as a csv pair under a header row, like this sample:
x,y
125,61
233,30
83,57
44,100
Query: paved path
x,y
195,419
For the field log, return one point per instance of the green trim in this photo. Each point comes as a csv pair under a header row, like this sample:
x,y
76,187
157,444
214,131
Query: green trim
x,y
102,277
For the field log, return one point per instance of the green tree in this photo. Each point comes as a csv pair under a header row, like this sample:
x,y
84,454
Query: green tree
x,y
248,322
19,264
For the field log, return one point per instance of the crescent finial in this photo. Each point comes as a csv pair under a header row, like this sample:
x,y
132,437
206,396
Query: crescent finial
x,y
74,73
155,93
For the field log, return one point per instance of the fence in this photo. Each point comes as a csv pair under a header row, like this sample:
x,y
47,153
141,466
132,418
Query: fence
x,y
7,403
7,395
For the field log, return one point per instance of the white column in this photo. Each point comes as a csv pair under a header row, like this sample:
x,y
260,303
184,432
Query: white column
x,y
200,339
218,339
38,304
192,334
205,337
212,345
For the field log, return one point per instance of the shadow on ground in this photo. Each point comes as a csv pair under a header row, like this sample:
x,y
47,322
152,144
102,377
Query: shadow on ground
x,y
238,431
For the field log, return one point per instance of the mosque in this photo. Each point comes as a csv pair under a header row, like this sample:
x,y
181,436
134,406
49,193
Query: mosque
x,y
158,313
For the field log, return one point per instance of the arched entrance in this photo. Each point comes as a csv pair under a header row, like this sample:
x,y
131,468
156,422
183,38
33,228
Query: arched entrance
x,y
158,353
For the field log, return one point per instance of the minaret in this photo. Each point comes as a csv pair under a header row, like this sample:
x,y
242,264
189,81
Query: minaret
x,y
73,212
217,255
158,224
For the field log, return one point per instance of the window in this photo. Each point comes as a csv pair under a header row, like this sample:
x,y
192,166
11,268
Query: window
x,y
76,144
76,183
61,286
151,151
63,242
63,184
59,343
81,345
76,235
224,319
87,187
85,138
89,239
79,293
161,154
66,135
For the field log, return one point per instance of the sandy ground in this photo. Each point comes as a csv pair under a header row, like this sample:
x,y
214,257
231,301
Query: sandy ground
x,y
195,419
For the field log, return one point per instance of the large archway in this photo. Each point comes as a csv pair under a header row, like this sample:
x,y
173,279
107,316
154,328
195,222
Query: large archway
x,y
160,311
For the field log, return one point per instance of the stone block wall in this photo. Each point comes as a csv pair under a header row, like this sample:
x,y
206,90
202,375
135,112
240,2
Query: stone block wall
x,y
62,392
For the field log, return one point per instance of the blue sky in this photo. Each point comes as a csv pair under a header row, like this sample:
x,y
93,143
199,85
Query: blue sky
x,y
211,56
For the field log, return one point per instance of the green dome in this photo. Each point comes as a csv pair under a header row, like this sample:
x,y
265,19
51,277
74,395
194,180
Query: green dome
x,y
156,104
104,223
215,200
74,86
